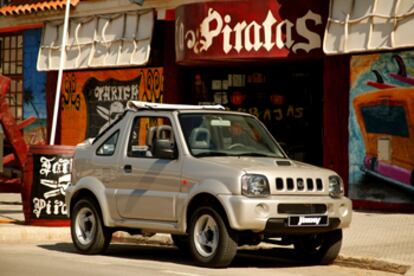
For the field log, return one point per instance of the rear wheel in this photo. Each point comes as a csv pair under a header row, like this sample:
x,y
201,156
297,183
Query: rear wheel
x,y
211,242
319,248
89,234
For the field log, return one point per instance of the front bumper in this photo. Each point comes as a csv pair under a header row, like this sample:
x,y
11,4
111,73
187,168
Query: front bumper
x,y
279,226
261,214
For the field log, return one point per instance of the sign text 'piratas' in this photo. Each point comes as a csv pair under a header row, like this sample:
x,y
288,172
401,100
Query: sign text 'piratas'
x,y
249,36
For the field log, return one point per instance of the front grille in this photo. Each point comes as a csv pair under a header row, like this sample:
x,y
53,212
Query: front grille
x,y
299,184
302,209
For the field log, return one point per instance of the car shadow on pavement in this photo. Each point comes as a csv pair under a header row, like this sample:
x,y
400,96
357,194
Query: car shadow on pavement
x,y
263,258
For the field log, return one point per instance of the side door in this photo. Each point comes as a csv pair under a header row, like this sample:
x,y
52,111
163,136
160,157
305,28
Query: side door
x,y
149,177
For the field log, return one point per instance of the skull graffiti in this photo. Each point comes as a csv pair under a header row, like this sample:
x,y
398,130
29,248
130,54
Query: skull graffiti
x,y
115,110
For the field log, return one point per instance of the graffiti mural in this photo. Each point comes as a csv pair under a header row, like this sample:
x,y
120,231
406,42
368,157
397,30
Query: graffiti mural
x,y
34,86
51,179
381,127
94,99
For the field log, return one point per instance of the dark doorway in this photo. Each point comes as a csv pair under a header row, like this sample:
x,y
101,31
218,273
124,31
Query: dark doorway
x,y
285,96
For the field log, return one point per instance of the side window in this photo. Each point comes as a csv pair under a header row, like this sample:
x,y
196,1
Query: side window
x,y
151,137
108,147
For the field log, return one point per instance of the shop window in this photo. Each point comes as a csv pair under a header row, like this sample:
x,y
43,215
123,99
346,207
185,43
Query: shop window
x,y
286,97
11,51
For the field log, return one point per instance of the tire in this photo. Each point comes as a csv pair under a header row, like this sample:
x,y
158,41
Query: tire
x,y
89,235
211,241
319,248
181,242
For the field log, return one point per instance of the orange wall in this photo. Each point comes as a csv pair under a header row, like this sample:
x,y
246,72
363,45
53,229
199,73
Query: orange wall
x,y
92,99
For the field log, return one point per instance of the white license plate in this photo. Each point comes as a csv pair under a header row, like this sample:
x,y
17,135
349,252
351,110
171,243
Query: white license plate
x,y
304,221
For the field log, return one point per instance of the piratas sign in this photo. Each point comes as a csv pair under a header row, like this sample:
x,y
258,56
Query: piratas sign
x,y
249,29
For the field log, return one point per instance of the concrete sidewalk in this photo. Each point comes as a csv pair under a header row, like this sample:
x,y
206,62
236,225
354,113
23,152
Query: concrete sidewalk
x,y
374,241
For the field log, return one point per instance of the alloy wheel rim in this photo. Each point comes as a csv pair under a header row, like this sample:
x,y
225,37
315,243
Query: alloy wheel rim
x,y
85,226
206,235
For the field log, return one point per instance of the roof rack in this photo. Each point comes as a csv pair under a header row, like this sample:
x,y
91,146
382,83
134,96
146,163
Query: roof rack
x,y
138,105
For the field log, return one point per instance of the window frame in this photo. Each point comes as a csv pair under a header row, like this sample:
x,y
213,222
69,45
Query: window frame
x,y
12,66
131,129
117,132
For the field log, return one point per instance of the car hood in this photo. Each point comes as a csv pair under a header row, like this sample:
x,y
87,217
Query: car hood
x,y
229,170
248,163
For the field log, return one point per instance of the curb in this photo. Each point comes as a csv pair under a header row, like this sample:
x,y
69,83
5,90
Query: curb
x,y
6,221
13,232
370,263
157,239
19,233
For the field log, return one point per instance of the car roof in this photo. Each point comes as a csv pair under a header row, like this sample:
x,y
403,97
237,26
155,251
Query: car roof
x,y
139,105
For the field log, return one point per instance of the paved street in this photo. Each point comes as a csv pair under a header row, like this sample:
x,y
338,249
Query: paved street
x,y
127,259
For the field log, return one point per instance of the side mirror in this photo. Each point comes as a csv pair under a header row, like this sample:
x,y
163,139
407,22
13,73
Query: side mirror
x,y
165,149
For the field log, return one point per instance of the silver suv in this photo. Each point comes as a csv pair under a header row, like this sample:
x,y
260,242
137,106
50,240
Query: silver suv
x,y
213,179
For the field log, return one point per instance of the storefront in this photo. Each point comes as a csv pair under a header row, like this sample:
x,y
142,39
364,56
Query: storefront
x,y
261,57
301,67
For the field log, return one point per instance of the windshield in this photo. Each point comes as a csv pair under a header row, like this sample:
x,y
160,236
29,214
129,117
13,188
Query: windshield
x,y
227,135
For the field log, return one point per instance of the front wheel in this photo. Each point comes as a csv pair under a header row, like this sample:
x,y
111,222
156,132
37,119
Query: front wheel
x,y
319,248
89,234
211,242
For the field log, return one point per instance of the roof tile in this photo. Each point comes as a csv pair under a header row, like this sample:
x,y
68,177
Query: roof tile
x,y
19,7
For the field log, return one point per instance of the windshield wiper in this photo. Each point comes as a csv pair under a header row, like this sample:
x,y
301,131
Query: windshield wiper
x,y
211,153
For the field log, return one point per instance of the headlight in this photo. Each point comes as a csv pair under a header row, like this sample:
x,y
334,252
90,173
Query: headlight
x,y
255,185
336,186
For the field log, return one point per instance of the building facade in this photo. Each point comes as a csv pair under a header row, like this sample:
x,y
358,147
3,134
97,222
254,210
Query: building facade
x,y
378,37
290,63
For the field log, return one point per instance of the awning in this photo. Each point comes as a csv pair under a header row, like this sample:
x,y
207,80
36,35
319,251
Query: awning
x,y
18,7
107,40
369,25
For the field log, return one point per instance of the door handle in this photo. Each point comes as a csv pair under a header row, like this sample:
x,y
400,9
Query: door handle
x,y
127,168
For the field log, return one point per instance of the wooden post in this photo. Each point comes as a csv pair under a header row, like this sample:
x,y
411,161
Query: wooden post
x,y
1,150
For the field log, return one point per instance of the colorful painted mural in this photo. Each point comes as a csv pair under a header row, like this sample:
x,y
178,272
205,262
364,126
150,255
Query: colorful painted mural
x,y
34,86
381,127
91,100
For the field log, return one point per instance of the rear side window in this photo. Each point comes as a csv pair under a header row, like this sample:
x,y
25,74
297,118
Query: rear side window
x,y
148,135
108,147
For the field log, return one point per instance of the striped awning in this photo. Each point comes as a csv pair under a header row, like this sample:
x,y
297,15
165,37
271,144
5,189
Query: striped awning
x,y
20,7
